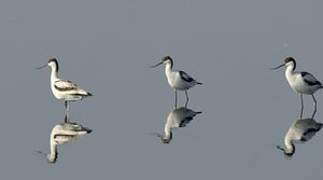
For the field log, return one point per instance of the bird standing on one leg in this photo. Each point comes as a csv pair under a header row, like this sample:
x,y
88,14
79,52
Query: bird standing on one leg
x,y
301,82
63,89
178,80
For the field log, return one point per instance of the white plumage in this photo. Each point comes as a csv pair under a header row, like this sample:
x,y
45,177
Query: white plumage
x,y
301,130
301,82
177,118
178,80
64,133
63,89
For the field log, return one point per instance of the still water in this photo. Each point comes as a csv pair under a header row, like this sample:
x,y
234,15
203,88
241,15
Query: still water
x,y
108,47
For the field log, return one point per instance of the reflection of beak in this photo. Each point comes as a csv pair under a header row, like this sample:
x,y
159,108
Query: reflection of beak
x,y
280,148
41,67
156,65
278,67
156,134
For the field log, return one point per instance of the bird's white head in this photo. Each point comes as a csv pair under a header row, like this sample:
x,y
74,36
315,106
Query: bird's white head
x,y
165,60
288,62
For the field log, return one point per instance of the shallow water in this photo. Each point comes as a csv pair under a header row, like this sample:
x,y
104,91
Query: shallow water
x,y
107,47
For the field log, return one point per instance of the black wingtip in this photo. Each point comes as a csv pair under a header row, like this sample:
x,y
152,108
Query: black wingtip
x,y
90,94
199,83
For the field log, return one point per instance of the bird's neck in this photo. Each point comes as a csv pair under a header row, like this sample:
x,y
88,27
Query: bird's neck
x,y
168,69
289,146
289,71
53,73
53,151
167,132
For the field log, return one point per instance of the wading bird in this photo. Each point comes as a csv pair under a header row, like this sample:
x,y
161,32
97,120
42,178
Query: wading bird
x,y
178,80
301,82
63,89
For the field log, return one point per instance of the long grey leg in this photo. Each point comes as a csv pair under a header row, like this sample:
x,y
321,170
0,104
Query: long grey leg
x,y
315,106
187,98
302,106
175,98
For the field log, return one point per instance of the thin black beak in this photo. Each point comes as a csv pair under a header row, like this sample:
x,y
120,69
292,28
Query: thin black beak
x,y
41,67
278,67
156,65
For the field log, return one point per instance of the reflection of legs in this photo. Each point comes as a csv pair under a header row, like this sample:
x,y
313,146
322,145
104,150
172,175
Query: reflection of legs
x,y
315,106
302,106
67,111
66,118
175,98
187,99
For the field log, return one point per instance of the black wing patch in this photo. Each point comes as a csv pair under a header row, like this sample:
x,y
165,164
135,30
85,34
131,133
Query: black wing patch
x,y
308,81
311,130
186,77
185,121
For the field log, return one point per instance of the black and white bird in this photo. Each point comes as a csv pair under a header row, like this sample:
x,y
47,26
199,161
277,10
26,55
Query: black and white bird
x,y
177,118
301,130
178,80
63,89
301,82
61,134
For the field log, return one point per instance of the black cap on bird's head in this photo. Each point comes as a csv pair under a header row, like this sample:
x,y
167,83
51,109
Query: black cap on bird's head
x,y
167,58
164,60
167,140
162,138
51,62
287,153
52,158
287,61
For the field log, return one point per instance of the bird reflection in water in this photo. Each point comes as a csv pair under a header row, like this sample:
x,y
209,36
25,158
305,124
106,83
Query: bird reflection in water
x,y
63,133
301,130
177,118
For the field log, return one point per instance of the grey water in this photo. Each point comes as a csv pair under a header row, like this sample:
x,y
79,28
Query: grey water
x,y
107,47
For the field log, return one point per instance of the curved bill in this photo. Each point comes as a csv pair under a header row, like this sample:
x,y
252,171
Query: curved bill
x,y
156,65
41,67
277,67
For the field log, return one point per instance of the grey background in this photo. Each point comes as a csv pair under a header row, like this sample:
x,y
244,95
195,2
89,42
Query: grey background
x,y
107,47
